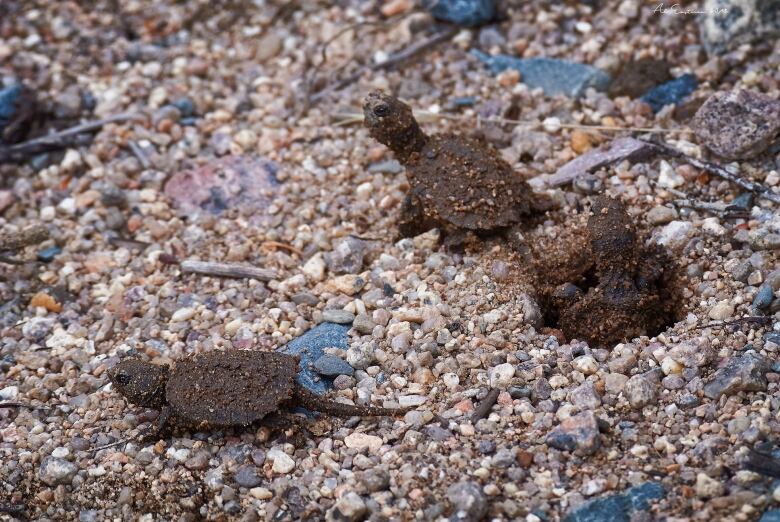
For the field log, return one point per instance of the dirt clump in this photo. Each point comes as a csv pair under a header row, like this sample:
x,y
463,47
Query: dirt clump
x,y
610,286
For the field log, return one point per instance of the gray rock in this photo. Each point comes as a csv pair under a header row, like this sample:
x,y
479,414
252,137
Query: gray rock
x,y
363,324
742,271
338,316
579,434
386,167
55,471
552,75
532,313
305,298
348,508
437,433
247,477
741,373
642,390
727,24
376,480
738,124
585,396
331,366
311,346
360,357
348,256
504,458
541,390
88,515
468,501
661,215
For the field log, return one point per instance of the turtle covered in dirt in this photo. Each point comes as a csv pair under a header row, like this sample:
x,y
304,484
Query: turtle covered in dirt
x,y
223,389
626,291
458,183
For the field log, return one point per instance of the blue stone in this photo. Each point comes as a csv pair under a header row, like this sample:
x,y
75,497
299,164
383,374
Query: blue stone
x,y
773,337
47,254
771,516
743,202
185,106
467,13
310,347
619,507
8,97
764,297
464,101
552,75
332,366
671,92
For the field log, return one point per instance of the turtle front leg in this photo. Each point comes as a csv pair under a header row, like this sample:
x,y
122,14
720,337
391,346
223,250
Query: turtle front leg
x,y
154,432
289,422
150,434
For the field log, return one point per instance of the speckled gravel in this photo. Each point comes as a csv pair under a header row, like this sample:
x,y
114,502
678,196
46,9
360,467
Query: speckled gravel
x,y
431,328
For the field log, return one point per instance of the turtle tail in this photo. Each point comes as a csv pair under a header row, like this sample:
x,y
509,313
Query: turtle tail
x,y
312,401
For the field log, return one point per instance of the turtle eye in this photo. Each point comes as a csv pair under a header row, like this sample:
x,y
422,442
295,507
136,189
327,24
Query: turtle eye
x,y
381,110
122,378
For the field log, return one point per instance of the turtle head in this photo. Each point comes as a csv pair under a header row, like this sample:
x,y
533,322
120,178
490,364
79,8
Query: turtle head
x,y
391,122
612,235
142,383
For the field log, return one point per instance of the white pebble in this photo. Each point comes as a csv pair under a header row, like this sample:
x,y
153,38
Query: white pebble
x,y
182,314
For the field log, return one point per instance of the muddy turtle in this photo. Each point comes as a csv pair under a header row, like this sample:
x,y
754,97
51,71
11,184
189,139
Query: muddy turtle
x,y
632,295
457,182
221,389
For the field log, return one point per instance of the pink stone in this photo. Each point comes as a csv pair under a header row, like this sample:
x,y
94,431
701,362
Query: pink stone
x,y
246,182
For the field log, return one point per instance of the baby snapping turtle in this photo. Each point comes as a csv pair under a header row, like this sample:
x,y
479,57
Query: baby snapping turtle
x,y
457,182
222,389
633,294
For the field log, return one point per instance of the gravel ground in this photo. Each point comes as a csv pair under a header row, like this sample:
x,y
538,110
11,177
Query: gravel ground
x,y
668,418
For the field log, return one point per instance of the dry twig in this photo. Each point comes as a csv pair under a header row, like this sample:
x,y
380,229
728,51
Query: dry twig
x,y
227,270
349,118
719,171
759,320
59,140
484,407
401,56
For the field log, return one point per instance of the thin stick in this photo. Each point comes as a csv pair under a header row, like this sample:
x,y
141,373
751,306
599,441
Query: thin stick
x,y
717,170
112,445
393,60
59,140
227,270
484,407
700,205
312,76
14,404
742,320
139,153
350,118
728,211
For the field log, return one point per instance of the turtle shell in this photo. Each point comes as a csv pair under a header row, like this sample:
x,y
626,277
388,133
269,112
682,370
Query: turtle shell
x,y
231,388
465,181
